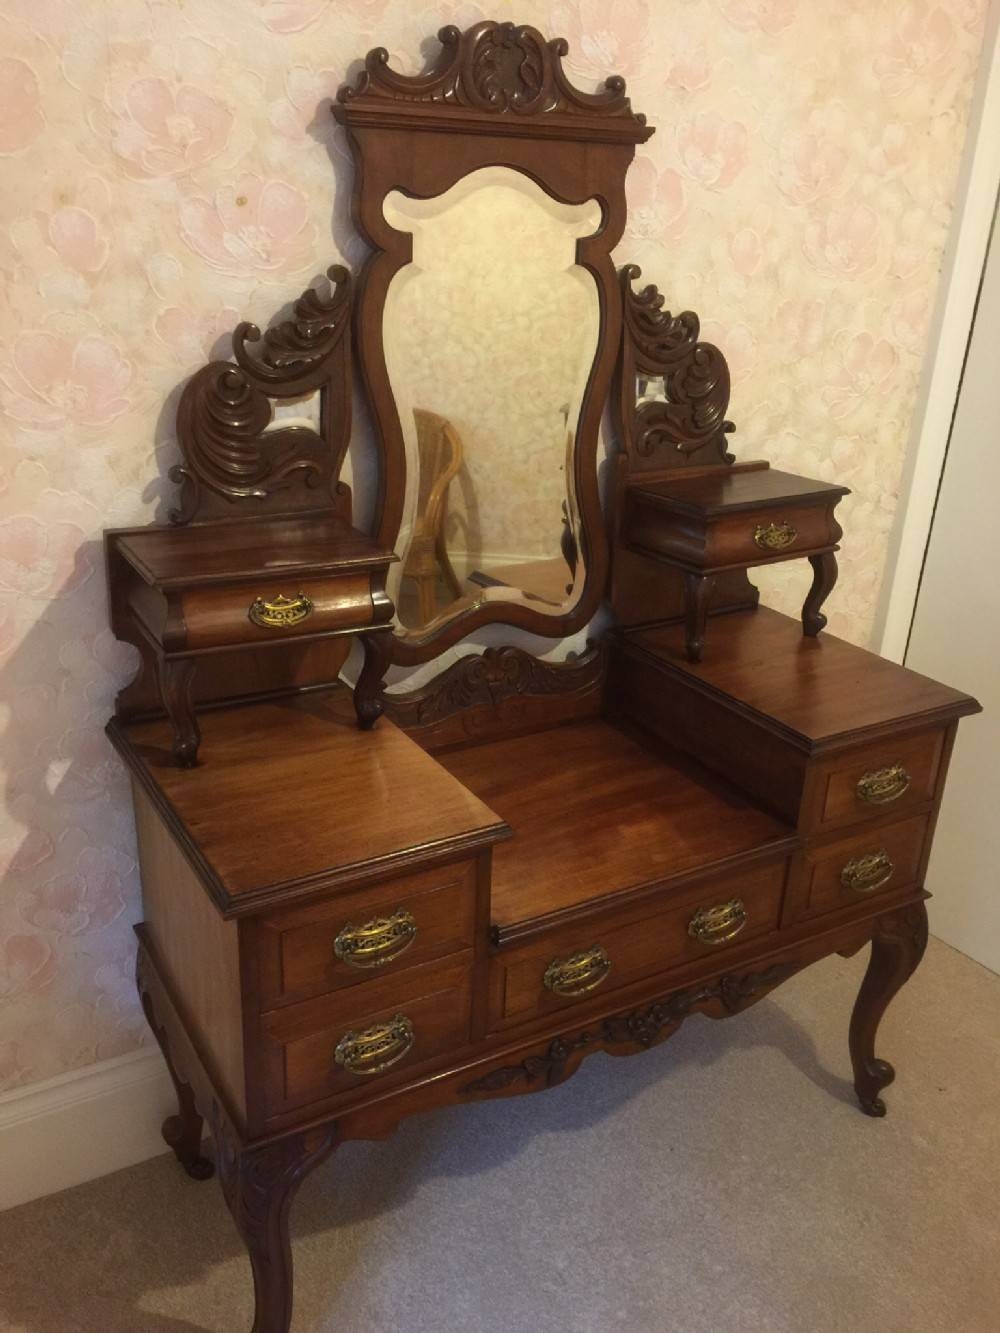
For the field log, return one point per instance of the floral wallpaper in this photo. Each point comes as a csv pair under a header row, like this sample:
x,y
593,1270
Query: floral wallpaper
x,y
170,168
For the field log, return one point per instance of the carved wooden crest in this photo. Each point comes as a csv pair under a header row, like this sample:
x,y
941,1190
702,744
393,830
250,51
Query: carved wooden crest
x,y
500,687
224,420
683,417
504,68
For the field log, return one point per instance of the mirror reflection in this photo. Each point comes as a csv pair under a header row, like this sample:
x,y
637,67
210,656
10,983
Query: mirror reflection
x,y
489,335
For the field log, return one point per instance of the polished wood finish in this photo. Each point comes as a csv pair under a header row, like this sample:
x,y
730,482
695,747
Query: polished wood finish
x,y
627,818
500,692
297,956
523,862
199,952
184,593
641,939
817,694
898,945
498,96
321,781
299,1041
900,845
710,522
238,462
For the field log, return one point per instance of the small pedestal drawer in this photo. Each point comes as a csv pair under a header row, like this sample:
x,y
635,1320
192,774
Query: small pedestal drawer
x,y
373,932
888,777
852,870
376,1034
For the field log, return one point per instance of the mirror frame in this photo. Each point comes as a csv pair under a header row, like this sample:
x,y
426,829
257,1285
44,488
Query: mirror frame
x,y
499,93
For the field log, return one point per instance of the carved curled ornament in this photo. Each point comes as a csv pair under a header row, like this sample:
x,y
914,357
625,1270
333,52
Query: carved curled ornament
x,y
499,67
695,376
491,677
226,408
907,926
640,1028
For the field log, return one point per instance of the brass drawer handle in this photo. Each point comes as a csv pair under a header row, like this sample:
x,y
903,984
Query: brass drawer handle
x,y
865,874
577,974
882,785
774,536
718,924
280,613
377,942
376,1048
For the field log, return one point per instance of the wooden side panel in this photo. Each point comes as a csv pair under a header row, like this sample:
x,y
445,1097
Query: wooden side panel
x,y
197,951
763,765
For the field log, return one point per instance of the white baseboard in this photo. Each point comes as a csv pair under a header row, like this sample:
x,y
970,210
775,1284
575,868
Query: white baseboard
x,y
82,1125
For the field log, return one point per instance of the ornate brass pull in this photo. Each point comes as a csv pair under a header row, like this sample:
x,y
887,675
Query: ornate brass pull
x,y
718,924
865,874
280,613
577,974
377,942
376,1048
774,536
883,785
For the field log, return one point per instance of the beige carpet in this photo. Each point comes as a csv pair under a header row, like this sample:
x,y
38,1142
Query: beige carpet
x,y
722,1183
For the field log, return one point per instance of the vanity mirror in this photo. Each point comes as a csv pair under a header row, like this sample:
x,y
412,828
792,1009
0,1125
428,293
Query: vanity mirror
x,y
490,333
492,194
525,862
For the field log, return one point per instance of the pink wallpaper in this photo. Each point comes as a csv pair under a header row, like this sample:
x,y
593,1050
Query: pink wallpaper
x,y
170,168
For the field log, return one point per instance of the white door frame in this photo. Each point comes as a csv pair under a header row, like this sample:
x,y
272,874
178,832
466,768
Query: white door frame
x,y
951,326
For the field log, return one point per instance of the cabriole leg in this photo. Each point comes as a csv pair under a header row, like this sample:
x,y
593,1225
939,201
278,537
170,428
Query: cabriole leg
x,y
898,945
368,691
176,678
824,569
259,1185
181,1132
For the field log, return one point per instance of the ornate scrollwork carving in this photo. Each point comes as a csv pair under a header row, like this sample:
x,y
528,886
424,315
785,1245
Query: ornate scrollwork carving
x,y
225,409
490,678
641,1028
501,67
691,416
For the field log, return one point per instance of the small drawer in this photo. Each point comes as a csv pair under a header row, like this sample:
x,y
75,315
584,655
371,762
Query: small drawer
x,y
373,932
573,964
878,779
340,1044
851,871
268,611
758,536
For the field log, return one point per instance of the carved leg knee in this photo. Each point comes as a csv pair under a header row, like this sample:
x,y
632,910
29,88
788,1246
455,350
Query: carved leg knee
x,y
897,946
259,1185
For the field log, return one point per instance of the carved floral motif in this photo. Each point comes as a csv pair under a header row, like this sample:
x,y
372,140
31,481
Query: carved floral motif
x,y
490,678
641,1028
500,67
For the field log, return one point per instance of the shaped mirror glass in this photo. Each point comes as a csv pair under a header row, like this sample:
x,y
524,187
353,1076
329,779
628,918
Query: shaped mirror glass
x,y
489,334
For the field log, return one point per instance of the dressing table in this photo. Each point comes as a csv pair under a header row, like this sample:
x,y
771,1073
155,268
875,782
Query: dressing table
x,y
521,862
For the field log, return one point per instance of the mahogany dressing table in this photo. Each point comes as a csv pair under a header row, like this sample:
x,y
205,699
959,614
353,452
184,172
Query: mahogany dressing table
x,y
522,862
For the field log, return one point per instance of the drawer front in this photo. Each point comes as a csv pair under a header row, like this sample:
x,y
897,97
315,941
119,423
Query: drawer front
x,y
269,611
754,537
362,936
574,964
885,778
361,1038
855,869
